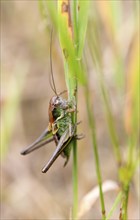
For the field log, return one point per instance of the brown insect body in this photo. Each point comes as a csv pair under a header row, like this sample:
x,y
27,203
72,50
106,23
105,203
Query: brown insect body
x,y
60,130
57,106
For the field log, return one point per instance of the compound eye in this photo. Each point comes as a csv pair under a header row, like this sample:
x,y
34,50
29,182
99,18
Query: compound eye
x,y
57,101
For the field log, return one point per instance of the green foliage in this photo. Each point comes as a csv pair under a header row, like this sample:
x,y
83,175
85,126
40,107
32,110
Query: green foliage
x,y
82,23
72,41
72,31
126,168
48,7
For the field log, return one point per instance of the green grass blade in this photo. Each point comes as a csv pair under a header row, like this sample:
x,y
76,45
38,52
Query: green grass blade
x,y
91,120
71,67
68,48
117,200
48,7
97,59
83,13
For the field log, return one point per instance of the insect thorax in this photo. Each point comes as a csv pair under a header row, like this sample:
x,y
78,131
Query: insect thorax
x,y
57,112
64,123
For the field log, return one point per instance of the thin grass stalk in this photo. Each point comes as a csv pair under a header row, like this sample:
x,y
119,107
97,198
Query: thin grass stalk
x,y
108,110
131,148
125,217
125,202
66,32
80,11
75,181
111,125
75,162
75,22
95,149
115,204
75,165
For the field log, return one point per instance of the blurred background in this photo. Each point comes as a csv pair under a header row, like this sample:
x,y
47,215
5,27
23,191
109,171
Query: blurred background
x,y
26,193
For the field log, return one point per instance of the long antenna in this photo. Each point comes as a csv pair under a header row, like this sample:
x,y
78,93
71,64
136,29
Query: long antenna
x,y
52,83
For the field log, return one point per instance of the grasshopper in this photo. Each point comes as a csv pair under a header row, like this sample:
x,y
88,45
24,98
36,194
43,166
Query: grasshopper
x,y
60,128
